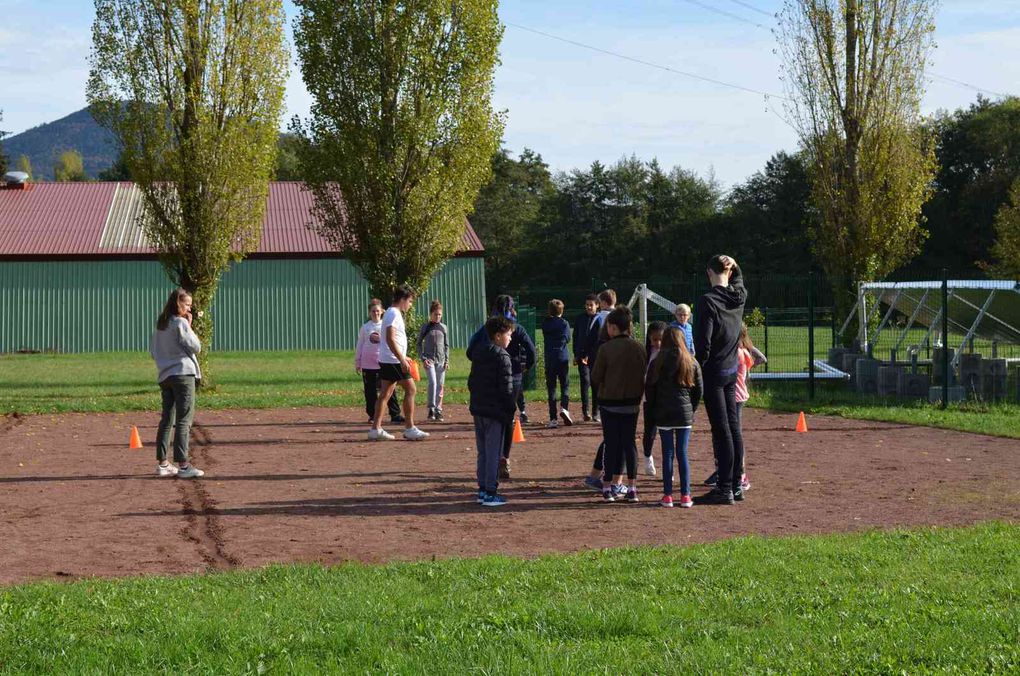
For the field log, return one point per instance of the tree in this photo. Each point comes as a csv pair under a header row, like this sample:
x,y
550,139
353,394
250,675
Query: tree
x,y
24,164
69,167
193,91
288,158
402,129
854,71
118,171
1006,249
3,157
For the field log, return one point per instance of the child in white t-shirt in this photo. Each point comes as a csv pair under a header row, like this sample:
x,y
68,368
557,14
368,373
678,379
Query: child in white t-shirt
x,y
395,368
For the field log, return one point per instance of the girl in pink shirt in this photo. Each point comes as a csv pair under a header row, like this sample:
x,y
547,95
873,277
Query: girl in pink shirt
x,y
748,356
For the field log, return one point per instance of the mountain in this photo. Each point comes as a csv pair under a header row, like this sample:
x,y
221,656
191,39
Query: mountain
x,y
78,131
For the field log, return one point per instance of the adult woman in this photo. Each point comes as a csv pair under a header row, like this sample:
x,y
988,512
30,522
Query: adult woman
x,y
174,347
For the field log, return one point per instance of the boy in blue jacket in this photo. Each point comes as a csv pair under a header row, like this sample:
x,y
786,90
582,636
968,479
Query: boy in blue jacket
x,y
584,324
556,335
491,385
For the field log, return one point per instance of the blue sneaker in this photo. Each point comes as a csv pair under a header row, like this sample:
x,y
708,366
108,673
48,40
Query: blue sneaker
x,y
619,491
594,484
493,500
481,496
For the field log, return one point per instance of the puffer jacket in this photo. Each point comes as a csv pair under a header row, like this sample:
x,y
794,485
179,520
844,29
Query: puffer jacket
x,y
670,404
491,383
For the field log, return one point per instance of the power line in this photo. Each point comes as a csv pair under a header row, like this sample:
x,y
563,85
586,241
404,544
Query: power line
x,y
723,12
650,64
961,83
753,8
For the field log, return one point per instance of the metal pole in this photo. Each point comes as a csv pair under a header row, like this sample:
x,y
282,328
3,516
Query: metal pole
x,y
766,337
643,312
811,335
945,338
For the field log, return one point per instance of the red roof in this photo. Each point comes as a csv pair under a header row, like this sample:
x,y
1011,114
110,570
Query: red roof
x,y
99,220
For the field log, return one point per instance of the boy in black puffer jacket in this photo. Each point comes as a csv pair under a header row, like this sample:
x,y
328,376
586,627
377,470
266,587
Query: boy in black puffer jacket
x,y
491,384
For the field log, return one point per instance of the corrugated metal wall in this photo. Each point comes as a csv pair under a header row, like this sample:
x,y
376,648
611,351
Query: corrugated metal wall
x,y
316,304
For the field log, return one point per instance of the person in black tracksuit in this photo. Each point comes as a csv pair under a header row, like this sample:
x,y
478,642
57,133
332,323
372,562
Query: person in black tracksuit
x,y
717,318
522,358
582,327
491,385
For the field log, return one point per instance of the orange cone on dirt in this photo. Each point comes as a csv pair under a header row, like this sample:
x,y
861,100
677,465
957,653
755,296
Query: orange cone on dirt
x,y
801,423
413,368
136,441
518,432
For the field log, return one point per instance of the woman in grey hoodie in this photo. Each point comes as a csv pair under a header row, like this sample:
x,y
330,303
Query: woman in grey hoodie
x,y
174,347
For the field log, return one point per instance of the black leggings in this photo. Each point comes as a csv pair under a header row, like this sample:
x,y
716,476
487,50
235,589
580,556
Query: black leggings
x,y
370,379
727,442
619,429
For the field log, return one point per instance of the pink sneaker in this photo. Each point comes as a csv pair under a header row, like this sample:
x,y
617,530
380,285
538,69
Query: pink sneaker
x,y
744,483
685,501
667,501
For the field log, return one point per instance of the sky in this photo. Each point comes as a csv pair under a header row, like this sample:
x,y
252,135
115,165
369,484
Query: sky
x,y
574,105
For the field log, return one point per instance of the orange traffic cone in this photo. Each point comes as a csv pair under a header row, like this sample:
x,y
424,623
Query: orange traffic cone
x,y
136,441
413,367
801,423
518,432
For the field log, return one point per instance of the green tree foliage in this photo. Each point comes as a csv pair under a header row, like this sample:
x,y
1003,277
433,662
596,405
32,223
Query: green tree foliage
x,y
854,70
1006,249
979,159
118,171
193,91
24,164
402,129
509,209
69,167
288,158
3,157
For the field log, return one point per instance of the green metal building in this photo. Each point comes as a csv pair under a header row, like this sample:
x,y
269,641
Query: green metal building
x,y
76,275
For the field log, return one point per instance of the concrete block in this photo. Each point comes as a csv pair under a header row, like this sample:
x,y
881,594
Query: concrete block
x,y
936,366
913,385
866,376
993,367
849,364
888,378
835,359
956,393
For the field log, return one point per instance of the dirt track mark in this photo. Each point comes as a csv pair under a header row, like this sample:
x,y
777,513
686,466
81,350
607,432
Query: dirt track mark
x,y
202,525
10,421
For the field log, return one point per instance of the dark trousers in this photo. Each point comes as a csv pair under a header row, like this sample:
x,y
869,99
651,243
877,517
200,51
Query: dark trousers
x,y
727,443
648,434
740,443
557,371
618,429
584,374
508,433
489,441
519,392
371,381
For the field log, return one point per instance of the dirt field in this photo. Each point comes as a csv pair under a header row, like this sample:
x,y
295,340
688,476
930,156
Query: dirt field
x,y
304,485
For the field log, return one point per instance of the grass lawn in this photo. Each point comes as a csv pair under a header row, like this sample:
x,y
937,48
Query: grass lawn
x,y
898,602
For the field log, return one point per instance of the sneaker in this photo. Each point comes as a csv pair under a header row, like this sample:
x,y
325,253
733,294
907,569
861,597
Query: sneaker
x,y
712,480
439,415
594,484
745,485
650,466
504,468
607,496
565,415
619,490
189,472
166,470
524,418
552,425
685,501
493,500
380,435
632,495
738,495
415,434
716,496
481,496
432,415
667,501
587,418
596,419
397,419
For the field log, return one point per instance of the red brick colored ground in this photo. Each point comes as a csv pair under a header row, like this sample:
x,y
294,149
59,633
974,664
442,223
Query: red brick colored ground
x,y
304,485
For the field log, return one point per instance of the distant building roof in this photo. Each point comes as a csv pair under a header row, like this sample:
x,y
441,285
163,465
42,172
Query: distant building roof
x,y
99,220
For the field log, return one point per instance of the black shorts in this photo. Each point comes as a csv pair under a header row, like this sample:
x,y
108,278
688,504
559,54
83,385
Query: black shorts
x,y
393,372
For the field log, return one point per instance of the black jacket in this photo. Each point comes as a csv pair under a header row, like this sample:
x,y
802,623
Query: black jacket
x,y
717,318
597,335
582,325
667,403
521,348
491,383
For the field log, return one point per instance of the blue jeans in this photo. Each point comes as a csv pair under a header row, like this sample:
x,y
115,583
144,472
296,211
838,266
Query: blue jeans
x,y
674,442
489,443
557,371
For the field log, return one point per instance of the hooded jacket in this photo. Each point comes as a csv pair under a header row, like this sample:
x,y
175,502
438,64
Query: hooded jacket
x,y
521,348
717,317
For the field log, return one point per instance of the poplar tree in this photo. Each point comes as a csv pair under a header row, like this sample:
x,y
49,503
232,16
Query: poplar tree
x,y
69,167
193,92
854,74
1006,249
402,128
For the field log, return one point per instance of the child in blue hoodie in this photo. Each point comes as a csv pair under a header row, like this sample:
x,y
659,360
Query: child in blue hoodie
x,y
556,336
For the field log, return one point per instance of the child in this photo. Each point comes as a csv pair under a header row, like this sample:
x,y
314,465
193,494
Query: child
x,y
653,341
683,322
672,392
595,338
583,325
748,357
719,314
395,369
618,375
366,362
556,334
491,385
434,349
174,347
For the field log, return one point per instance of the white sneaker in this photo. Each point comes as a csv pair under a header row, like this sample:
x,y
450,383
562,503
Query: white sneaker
x,y
650,466
552,425
166,470
189,472
415,434
567,420
380,435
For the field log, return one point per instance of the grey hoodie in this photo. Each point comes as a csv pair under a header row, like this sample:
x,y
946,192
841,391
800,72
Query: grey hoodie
x,y
174,350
